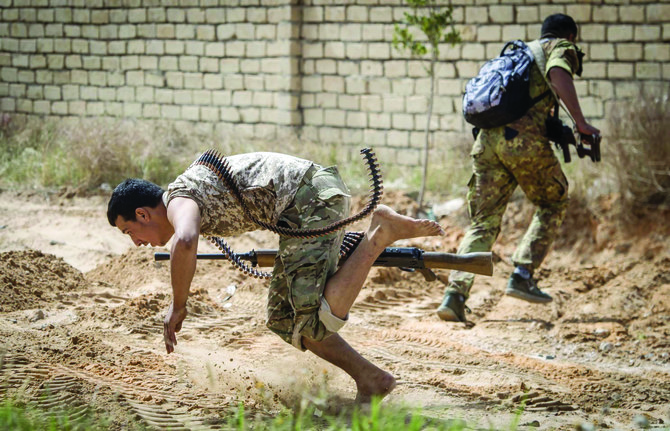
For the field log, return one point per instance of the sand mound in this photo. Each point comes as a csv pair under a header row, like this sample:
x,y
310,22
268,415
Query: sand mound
x,y
30,278
134,268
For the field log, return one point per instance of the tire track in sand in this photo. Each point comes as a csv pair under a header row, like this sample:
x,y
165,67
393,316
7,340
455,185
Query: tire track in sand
x,y
58,388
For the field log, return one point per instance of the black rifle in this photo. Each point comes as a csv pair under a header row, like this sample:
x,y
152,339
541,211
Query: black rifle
x,y
563,137
406,258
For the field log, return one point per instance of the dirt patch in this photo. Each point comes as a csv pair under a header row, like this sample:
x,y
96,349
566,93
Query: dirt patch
x,y
29,279
131,270
598,353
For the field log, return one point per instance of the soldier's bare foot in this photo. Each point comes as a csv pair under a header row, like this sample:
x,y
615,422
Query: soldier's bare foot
x,y
378,385
387,226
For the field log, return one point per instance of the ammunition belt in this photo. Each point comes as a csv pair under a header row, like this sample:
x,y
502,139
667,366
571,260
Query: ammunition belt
x,y
219,165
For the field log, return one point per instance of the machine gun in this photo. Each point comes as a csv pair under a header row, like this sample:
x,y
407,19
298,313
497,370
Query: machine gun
x,y
406,258
563,137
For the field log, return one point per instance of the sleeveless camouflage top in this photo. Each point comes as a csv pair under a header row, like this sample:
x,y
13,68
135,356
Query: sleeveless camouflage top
x,y
558,53
267,181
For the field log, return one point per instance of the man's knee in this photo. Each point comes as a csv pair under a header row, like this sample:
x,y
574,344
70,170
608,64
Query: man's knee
x,y
331,322
315,325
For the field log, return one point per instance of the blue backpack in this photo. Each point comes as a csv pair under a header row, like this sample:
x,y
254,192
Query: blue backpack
x,y
500,93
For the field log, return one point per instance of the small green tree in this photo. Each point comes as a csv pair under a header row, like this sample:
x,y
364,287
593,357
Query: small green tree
x,y
437,24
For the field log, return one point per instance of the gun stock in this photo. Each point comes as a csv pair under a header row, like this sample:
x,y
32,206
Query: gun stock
x,y
476,263
399,257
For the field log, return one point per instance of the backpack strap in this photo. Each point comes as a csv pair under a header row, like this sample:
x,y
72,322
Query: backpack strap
x,y
513,44
538,55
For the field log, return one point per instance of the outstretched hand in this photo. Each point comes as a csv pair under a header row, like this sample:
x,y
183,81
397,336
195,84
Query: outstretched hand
x,y
172,325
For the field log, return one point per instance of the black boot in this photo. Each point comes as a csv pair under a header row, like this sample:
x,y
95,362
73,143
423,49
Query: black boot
x,y
526,289
452,308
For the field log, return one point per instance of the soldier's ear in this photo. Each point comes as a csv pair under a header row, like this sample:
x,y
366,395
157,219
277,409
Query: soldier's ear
x,y
142,214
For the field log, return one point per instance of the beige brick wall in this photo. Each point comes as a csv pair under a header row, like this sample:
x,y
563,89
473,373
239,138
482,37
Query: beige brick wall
x,y
323,69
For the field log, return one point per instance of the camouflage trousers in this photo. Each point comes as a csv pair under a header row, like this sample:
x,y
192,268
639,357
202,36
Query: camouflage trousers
x,y
502,160
296,307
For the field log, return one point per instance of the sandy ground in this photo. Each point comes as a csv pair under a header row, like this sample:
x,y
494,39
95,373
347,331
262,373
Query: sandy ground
x,y
81,325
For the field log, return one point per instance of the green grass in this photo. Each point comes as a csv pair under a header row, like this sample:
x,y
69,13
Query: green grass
x,y
21,417
375,418
84,153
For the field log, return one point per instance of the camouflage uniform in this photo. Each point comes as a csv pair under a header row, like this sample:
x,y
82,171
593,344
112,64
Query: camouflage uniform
x,y
289,192
295,300
518,154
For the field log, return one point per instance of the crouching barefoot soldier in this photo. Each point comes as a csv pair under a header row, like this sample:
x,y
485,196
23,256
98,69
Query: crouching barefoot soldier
x,y
307,205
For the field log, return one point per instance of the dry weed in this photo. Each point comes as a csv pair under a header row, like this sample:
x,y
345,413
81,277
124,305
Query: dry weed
x,y
640,153
85,153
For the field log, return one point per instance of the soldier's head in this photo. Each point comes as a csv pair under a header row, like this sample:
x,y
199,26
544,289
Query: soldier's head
x,y
136,209
560,25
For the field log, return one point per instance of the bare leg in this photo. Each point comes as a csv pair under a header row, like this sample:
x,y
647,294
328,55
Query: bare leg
x,y
370,379
386,227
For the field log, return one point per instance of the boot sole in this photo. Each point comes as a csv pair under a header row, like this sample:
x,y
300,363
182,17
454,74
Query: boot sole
x,y
448,315
526,297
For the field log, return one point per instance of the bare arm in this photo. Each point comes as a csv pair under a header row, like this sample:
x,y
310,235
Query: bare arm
x,y
562,83
184,215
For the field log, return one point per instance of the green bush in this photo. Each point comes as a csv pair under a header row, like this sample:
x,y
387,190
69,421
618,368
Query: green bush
x,y
84,153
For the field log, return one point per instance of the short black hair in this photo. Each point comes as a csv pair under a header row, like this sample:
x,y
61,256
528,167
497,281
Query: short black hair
x,y
131,194
559,25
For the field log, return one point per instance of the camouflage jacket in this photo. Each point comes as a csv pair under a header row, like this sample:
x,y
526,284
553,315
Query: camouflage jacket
x,y
267,181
